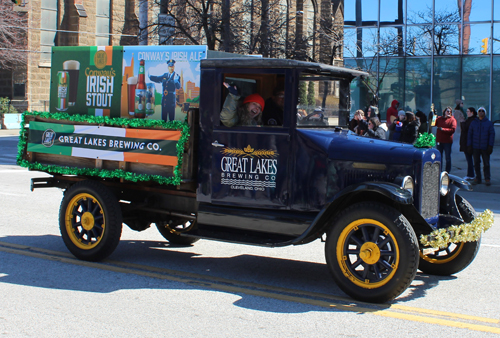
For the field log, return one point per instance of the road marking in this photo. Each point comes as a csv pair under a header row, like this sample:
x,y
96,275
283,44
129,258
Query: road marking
x,y
428,316
491,245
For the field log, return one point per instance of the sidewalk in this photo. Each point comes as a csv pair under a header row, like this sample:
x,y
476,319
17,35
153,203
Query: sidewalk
x,y
458,165
9,132
459,168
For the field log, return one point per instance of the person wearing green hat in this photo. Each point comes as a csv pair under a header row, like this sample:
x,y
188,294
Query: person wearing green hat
x,y
249,113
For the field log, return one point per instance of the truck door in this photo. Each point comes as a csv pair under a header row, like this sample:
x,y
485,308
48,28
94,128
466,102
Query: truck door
x,y
250,166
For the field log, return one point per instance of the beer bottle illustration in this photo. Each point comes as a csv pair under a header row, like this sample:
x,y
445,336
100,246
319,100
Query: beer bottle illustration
x,y
140,93
62,90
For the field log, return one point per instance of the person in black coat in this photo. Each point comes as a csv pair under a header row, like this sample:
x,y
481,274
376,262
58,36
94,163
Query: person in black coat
x,y
464,126
358,124
481,139
424,126
411,125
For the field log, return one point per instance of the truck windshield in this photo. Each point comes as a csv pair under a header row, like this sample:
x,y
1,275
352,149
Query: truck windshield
x,y
323,101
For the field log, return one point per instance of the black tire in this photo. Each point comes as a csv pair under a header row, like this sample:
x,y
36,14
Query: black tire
x,y
175,238
372,252
90,220
455,257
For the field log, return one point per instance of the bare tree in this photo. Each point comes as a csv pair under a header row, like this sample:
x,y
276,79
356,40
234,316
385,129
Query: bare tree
x,y
375,54
13,37
192,22
446,33
246,27
267,25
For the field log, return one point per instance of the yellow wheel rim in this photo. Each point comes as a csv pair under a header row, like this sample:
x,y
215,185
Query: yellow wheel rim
x,y
443,256
367,253
85,221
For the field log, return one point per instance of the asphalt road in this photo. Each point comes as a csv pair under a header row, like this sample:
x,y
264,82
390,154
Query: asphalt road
x,y
148,288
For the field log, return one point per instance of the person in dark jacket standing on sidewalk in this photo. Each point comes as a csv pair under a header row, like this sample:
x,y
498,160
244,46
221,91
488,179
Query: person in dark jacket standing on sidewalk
x,y
446,126
465,125
481,138
411,125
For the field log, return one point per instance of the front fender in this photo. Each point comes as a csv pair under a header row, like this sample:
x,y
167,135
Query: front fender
x,y
375,191
448,204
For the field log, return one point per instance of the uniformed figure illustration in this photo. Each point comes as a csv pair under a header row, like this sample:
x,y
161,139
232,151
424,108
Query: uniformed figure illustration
x,y
170,82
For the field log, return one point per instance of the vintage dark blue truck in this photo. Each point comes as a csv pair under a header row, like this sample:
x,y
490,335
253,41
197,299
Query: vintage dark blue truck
x,y
307,179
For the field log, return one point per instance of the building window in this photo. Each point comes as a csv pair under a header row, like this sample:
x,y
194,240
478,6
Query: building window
x,y
48,26
103,22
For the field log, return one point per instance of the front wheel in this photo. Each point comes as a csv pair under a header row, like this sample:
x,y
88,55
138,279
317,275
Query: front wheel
x,y
456,256
372,252
90,221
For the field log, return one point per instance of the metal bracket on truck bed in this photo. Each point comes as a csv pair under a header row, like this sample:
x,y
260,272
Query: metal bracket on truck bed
x,y
45,182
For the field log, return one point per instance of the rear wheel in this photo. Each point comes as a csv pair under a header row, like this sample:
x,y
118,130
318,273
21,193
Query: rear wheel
x,y
90,221
456,256
171,231
372,252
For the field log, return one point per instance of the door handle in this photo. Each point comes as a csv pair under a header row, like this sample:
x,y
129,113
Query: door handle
x,y
217,144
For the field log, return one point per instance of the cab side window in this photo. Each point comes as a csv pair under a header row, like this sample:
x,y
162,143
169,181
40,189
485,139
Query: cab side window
x,y
252,100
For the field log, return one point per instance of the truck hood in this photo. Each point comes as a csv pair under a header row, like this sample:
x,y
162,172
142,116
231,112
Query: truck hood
x,y
345,145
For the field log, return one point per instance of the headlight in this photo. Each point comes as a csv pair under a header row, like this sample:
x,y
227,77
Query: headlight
x,y
408,184
444,183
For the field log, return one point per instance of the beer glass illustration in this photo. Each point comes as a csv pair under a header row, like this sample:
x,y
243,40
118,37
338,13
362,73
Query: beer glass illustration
x,y
131,83
73,69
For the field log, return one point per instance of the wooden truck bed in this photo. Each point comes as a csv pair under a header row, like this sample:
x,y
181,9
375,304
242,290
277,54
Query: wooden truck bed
x,y
40,150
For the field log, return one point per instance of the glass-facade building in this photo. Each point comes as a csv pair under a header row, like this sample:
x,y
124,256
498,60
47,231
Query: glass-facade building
x,y
421,52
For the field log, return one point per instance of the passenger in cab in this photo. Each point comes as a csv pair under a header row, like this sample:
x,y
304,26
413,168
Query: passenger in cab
x,y
249,113
272,115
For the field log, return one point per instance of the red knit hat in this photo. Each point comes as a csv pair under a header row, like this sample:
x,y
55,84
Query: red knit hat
x,y
255,98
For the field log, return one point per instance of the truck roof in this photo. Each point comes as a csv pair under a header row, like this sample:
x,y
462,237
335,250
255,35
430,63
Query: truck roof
x,y
258,62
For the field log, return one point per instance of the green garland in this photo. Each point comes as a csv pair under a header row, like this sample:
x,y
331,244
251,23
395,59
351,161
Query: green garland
x,y
425,140
104,173
467,232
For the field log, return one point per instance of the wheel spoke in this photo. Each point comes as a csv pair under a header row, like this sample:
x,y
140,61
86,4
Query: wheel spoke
x,y
375,234
89,205
387,253
353,252
365,270
357,240
384,242
82,205
95,232
356,264
366,237
376,271
385,264
89,236
95,209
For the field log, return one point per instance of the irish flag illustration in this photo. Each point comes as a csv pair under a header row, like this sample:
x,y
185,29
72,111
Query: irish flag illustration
x,y
151,146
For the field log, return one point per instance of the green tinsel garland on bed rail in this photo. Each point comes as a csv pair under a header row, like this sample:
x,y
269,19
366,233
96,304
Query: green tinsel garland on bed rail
x,y
104,173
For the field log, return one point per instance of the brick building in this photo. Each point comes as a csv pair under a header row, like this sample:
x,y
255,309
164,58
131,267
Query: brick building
x,y
313,31
64,23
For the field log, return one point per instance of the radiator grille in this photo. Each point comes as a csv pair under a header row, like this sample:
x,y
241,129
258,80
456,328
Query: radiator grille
x,y
430,189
